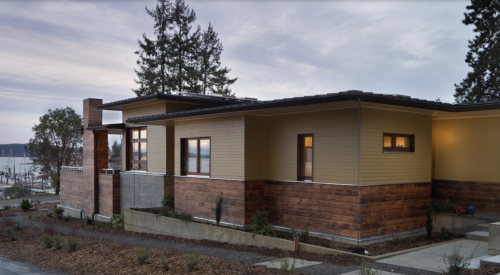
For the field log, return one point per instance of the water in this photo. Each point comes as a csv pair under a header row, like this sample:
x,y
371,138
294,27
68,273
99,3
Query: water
x,y
22,164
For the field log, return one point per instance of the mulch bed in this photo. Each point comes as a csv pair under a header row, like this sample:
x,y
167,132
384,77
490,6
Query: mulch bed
x,y
35,211
96,256
489,270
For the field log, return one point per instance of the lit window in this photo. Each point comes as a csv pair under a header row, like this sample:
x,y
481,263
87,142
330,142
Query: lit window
x,y
137,149
196,156
305,157
398,143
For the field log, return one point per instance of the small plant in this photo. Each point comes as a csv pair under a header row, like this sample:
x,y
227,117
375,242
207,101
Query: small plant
x,y
7,207
58,211
429,224
49,229
446,234
38,216
66,219
48,241
457,263
72,243
181,216
396,240
98,225
219,204
29,216
260,225
17,226
285,266
88,220
49,215
25,205
141,254
11,235
303,235
37,201
164,264
118,221
168,201
366,269
57,243
191,261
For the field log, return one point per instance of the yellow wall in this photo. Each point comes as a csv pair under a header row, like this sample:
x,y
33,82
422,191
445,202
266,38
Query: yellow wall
x,y
227,148
466,149
378,167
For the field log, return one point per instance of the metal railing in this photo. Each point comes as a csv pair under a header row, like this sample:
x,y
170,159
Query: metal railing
x,y
109,171
72,168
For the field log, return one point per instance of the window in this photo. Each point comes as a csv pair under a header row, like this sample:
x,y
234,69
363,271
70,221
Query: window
x,y
137,149
399,143
195,156
305,158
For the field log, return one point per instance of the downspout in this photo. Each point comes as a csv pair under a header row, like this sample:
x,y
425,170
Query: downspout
x,y
96,178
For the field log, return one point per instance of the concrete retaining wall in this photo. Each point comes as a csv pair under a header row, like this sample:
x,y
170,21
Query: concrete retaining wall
x,y
494,239
458,223
143,190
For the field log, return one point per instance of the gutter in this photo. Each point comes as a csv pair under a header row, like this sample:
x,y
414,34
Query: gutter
x,y
96,177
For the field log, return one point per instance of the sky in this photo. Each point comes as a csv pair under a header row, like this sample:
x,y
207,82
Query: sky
x,y
54,54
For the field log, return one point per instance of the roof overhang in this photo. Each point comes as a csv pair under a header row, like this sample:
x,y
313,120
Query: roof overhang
x,y
111,128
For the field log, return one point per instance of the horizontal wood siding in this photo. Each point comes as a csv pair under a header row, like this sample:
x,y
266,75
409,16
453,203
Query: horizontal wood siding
x,y
74,189
157,149
227,150
319,207
378,167
386,209
254,195
334,145
109,194
467,149
484,195
197,196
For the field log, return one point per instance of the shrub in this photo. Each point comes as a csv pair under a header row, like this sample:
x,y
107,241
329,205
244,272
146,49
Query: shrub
x,y
260,225
219,204
98,225
57,243
48,241
191,261
38,216
456,262
37,201
118,221
11,235
446,234
29,216
88,220
304,235
7,207
66,219
168,201
285,266
72,243
49,215
25,205
366,269
49,229
164,264
17,226
58,211
141,254
16,191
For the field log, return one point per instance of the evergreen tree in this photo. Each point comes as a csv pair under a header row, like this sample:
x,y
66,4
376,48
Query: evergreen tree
x,y
483,83
213,78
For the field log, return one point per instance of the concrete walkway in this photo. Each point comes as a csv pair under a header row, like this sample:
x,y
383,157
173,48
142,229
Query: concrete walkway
x,y
430,259
241,257
8,267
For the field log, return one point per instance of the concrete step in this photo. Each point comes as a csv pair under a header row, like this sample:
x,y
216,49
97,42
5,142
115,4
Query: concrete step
x,y
483,227
478,236
491,261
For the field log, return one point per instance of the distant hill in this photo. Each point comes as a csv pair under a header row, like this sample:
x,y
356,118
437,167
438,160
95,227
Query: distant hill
x,y
17,149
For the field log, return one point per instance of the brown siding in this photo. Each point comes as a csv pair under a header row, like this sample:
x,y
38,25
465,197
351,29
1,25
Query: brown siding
x,y
378,167
109,195
254,195
467,149
484,195
334,145
227,150
74,189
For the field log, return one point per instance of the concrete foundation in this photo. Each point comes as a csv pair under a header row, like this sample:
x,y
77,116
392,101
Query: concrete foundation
x,y
459,223
79,214
143,190
494,239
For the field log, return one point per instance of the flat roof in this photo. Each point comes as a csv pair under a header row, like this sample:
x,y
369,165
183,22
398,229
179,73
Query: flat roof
x,y
399,100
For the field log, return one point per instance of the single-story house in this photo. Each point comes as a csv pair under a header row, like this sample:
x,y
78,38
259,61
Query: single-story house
x,y
325,162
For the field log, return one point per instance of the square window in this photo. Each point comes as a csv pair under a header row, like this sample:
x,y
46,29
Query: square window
x,y
398,143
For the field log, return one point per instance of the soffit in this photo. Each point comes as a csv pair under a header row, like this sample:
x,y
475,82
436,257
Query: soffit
x,y
438,115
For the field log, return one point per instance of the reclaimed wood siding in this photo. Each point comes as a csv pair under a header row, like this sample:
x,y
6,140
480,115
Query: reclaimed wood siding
x,y
323,208
378,167
467,149
197,196
73,189
334,145
109,194
386,209
227,149
484,195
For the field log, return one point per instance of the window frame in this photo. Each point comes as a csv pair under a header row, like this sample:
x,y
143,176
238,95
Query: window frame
x,y
393,148
130,151
185,152
300,158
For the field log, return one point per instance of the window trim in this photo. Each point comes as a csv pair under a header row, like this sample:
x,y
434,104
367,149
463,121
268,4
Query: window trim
x,y
130,152
184,152
301,156
393,148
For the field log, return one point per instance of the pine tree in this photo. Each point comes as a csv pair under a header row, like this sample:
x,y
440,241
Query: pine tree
x,y
213,78
483,83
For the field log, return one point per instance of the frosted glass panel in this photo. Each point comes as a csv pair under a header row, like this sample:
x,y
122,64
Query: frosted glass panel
x,y
144,134
192,156
204,156
144,154
135,151
135,134
308,162
387,141
402,142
